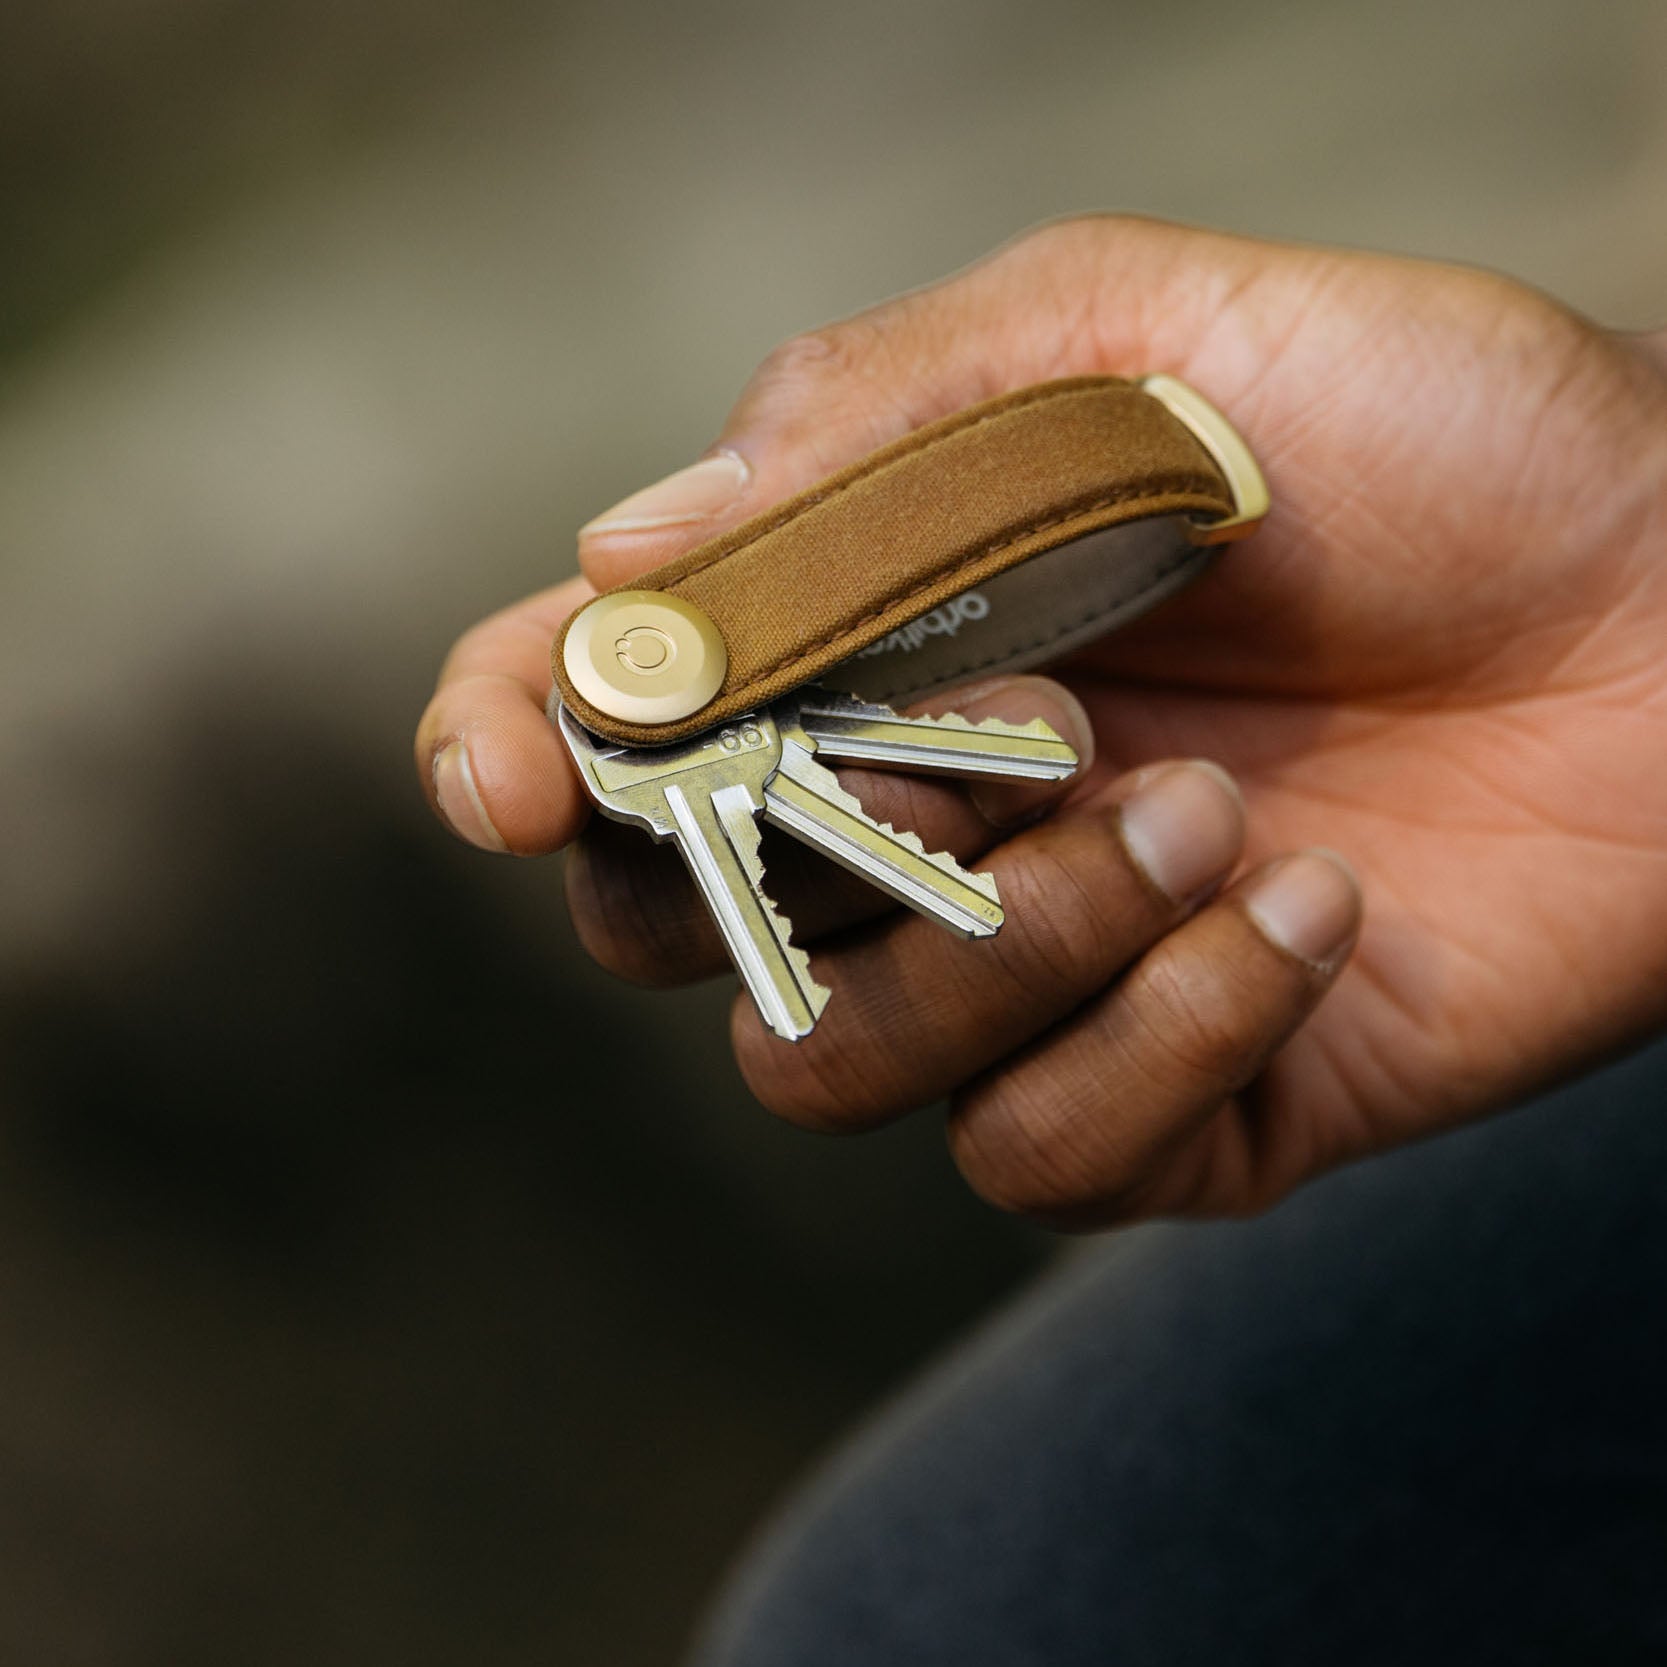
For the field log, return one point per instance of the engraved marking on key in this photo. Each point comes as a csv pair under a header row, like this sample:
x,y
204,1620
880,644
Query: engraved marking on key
x,y
620,768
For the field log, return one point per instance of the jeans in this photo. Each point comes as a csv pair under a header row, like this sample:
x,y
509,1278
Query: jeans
x,y
1417,1413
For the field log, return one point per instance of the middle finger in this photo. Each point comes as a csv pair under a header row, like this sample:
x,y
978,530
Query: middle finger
x,y
914,1014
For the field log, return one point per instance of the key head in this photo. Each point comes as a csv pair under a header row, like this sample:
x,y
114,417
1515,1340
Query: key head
x,y
629,784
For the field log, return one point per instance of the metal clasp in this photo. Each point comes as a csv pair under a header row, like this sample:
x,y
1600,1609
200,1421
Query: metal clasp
x,y
1227,450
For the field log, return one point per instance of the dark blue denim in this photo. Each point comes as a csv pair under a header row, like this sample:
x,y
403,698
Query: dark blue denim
x,y
1417,1414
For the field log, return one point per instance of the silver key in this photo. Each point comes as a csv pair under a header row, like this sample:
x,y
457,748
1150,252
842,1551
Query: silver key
x,y
704,796
807,801
863,732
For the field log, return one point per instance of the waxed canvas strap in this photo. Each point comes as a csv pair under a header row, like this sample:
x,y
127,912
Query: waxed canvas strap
x,y
849,565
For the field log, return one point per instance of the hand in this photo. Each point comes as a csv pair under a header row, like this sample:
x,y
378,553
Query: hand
x,y
1445,655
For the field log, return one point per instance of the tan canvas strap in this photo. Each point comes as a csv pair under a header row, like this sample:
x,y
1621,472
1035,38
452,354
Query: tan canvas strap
x,y
849,566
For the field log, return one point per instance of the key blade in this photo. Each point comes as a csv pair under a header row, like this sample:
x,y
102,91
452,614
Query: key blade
x,y
717,835
863,732
804,799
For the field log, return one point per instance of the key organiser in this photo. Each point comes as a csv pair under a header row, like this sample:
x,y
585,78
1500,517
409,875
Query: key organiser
x,y
996,539
1067,508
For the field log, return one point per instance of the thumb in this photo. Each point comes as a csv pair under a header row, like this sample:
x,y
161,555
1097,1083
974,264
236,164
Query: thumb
x,y
823,399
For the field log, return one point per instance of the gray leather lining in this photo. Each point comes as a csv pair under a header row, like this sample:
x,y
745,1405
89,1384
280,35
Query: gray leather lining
x,y
1031,614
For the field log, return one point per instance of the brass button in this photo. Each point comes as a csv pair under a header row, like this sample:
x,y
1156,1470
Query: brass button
x,y
645,657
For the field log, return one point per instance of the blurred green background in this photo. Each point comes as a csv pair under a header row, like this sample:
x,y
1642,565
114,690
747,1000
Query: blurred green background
x,y
379,1282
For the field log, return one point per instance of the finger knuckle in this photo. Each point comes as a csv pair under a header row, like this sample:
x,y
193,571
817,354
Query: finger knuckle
x,y
1058,942
1189,1016
1073,236
1070,231
617,925
811,1086
1072,907
1015,1142
613,951
466,651
825,355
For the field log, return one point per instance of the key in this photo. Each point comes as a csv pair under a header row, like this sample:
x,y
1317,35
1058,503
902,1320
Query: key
x,y
838,726
705,796
805,799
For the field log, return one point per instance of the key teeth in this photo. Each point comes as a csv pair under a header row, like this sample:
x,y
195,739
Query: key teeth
x,y
848,705
1035,729
748,849
944,861
816,994
912,841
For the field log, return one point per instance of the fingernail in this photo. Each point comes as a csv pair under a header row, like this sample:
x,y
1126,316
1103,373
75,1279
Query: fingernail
x,y
692,494
1308,905
1017,700
1183,825
460,801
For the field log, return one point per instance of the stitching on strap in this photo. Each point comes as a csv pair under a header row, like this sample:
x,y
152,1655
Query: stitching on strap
x,y
879,465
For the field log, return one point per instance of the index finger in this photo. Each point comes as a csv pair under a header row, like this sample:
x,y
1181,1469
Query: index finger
x,y
490,761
